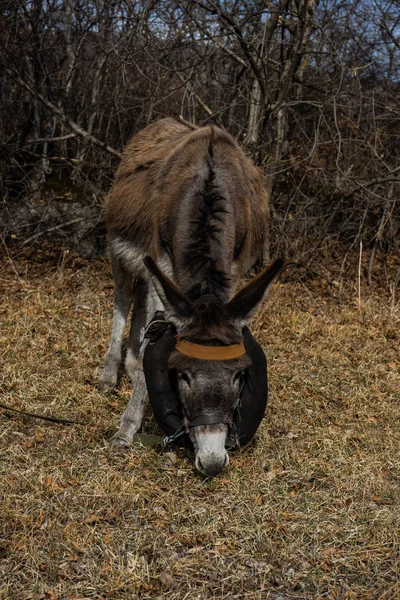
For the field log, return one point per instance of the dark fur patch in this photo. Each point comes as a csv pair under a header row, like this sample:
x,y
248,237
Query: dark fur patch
x,y
206,228
144,166
210,325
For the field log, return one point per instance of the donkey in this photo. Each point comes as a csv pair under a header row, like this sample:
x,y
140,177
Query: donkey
x,y
187,218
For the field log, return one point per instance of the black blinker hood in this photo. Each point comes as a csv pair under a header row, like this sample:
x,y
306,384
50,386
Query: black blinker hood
x,y
163,391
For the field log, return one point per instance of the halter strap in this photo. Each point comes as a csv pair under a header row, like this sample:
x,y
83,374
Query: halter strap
x,y
210,352
209,420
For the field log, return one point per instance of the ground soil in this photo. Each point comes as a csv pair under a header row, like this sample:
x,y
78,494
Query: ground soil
x,y
309,511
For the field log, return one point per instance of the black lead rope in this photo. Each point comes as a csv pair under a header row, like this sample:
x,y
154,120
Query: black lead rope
x,y
169,439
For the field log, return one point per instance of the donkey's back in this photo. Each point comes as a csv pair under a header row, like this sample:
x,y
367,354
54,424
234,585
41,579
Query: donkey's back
x,y
159,168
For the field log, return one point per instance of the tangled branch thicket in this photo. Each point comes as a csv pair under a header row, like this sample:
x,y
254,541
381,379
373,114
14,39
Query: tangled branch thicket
x,y
310,88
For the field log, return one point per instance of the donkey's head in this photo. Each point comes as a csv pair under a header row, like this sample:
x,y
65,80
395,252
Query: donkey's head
x,y
210,359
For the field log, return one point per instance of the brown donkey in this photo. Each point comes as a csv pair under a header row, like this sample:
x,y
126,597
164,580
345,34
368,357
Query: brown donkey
x,y
192,203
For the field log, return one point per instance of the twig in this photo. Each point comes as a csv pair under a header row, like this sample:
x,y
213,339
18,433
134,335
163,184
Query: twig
x,y
359,276
44,417
384,219
182,120
60,138
333,284
9,258
199,101
61,226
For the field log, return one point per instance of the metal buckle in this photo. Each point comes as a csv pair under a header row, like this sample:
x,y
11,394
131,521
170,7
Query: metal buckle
x,y
175,436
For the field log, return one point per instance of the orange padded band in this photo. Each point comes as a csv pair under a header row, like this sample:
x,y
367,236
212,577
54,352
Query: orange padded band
x,y
210,352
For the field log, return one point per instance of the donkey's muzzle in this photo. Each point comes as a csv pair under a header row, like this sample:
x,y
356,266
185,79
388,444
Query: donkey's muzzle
x,y
211,455
211,464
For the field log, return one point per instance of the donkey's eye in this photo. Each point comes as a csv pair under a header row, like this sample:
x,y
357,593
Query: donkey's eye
x,y
185,378
238,378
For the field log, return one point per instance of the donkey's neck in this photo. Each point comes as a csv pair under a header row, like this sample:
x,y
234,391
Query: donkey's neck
x,y
205,238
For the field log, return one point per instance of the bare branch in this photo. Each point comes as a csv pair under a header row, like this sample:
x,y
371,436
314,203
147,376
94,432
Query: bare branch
x,y
50,229
52,139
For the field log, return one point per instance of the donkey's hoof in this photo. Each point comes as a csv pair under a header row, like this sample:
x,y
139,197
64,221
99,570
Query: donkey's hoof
x,y
107,381
118,444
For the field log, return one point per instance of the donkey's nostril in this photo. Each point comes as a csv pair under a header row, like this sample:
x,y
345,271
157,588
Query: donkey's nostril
x,y
211,465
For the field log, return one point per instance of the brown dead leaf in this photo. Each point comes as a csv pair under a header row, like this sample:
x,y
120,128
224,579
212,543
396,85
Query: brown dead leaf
x,y
330,551
170,457
72,480
166,578
273,472
51,483
286,516
40,518
371,420
91,519
73,558
38,436
379,500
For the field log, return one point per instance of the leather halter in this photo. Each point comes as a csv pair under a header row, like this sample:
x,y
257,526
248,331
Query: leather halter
x,y
209,352
202,419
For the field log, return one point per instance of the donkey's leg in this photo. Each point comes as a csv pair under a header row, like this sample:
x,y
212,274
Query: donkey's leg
x,y
131,419
123,294
266,258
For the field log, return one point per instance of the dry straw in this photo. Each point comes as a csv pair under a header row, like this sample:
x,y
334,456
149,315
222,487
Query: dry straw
x,y
310,511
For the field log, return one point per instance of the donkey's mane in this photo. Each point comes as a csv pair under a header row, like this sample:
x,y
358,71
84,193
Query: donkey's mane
x,y
207,231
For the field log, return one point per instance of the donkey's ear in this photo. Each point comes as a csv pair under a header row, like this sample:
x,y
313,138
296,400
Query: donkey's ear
x,y
244,304
170,295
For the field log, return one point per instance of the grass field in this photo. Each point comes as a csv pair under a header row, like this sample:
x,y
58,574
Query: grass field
x,y
310,511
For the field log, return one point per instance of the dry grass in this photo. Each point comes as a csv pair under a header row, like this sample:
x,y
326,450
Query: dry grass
x,y
310,511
